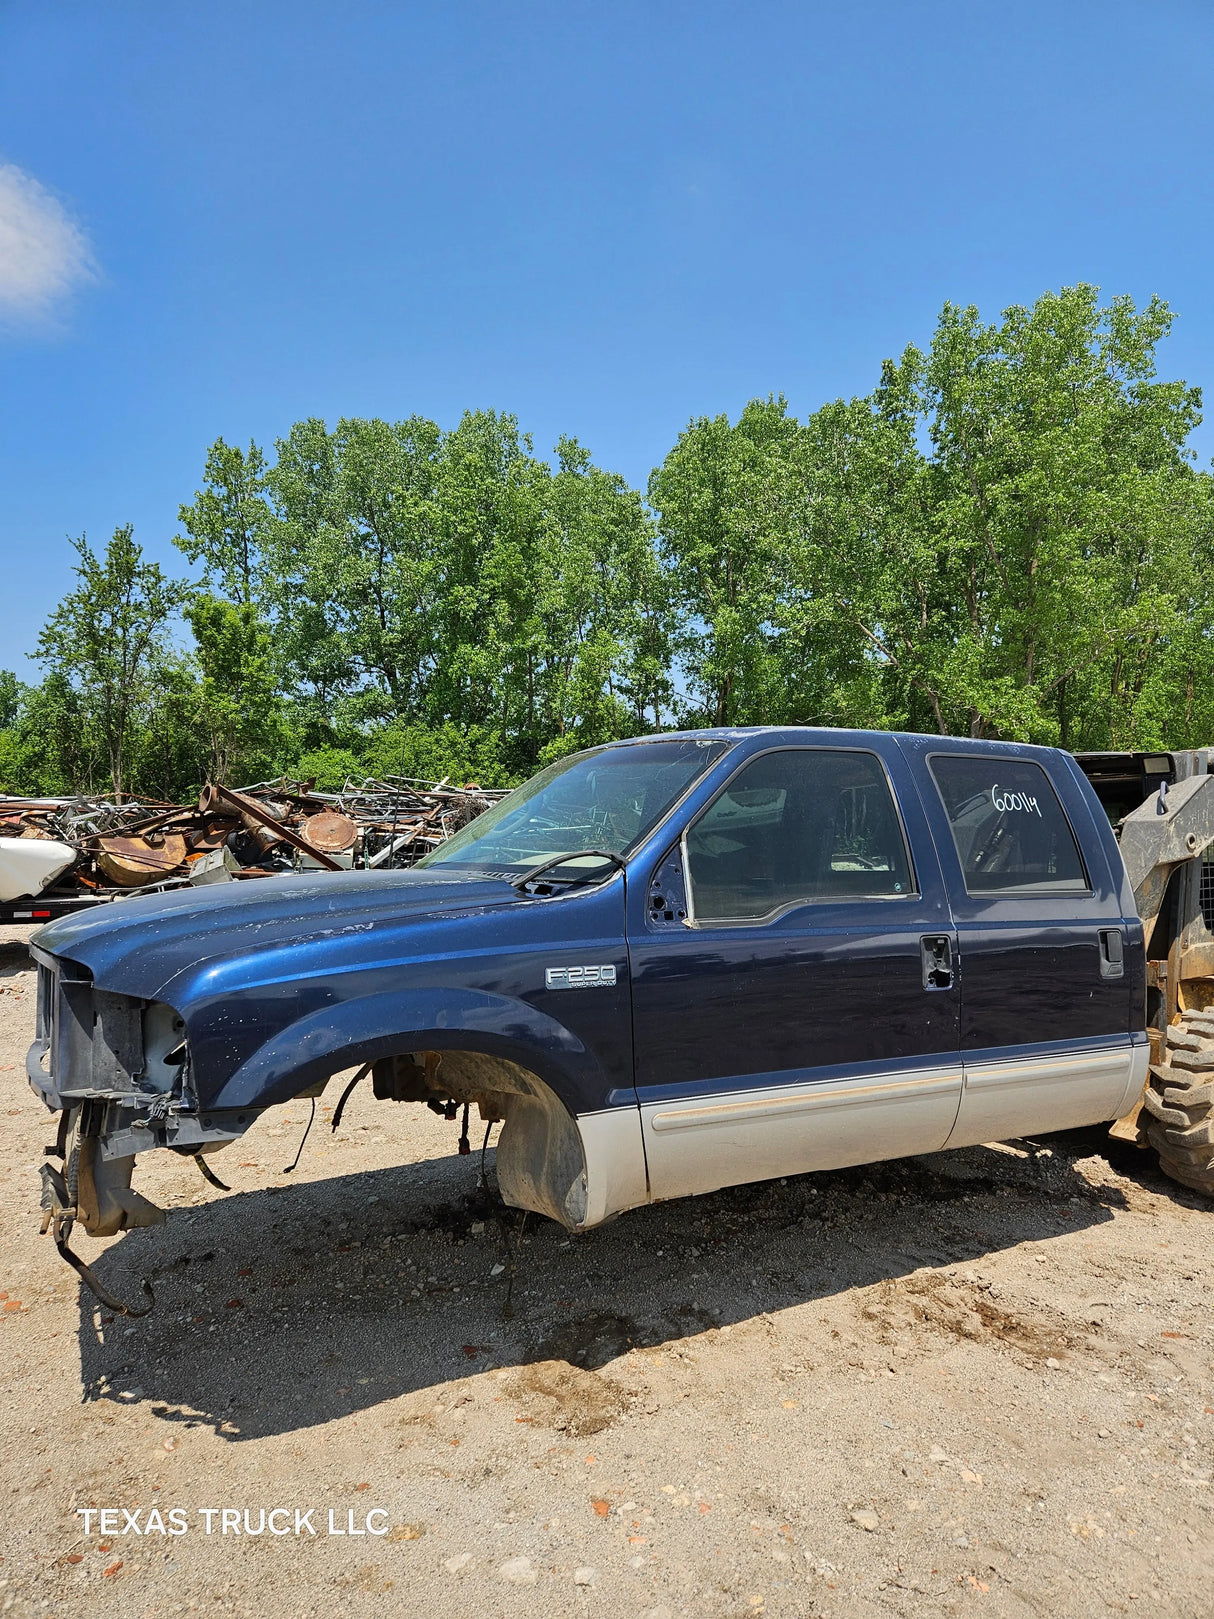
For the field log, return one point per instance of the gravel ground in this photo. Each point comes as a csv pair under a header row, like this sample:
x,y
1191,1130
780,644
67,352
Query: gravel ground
x,y
976,1383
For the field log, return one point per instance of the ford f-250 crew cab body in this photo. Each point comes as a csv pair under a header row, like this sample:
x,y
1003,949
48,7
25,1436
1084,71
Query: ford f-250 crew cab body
x,y
667,965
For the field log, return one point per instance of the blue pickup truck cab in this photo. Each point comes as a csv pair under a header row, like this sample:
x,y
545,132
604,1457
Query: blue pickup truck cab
x,y
665,965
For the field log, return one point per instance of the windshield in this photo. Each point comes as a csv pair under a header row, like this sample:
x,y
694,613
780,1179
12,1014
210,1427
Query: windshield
x,y
608,798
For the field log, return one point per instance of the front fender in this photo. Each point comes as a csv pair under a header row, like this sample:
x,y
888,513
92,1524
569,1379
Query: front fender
x,y
372,1026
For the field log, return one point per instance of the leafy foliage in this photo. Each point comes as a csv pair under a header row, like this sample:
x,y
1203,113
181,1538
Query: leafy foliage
x,y
106,636
1007,537
235,698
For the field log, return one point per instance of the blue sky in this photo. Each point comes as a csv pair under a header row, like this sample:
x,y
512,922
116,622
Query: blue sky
x,y
605,218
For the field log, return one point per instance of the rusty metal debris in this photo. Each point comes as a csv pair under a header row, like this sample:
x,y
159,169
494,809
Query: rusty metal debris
x,y
95,847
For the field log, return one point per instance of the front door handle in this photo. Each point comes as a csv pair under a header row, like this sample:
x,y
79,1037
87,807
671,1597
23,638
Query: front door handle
x,y
936,949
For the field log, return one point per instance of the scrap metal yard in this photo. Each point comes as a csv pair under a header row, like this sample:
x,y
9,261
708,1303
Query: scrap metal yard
x,y
979,1382
61,854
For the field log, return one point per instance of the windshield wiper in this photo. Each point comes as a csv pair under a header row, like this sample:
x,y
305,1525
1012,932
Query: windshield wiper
x,y
525,877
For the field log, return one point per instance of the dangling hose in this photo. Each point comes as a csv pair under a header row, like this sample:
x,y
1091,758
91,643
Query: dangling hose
x,y
345,1095
208,1174
95,1287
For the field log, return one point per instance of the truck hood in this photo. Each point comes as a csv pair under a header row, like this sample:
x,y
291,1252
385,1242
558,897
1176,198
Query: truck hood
x,y
137,946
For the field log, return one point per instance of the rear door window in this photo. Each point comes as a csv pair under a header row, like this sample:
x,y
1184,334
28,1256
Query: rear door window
x,y
1011,832
793,826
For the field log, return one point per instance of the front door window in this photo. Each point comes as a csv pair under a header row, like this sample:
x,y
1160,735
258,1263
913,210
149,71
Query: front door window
x,y
796,826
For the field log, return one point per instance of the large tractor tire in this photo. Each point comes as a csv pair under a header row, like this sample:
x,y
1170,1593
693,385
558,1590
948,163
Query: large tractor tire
x,y
1179,1103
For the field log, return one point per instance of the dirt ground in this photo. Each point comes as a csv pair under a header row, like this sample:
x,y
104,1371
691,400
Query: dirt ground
x,y
976,1383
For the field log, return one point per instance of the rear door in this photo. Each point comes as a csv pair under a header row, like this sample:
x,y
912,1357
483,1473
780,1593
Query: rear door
x,y
793,1000
1045,995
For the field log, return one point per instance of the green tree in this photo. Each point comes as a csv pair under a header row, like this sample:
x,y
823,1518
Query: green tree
x,y
1058,466
10,697
1007,537
168,754
430,753
236,705
723,498
1002,529
491,505
432,578
104,639
855,582
604,608
51,748
226,525
352,559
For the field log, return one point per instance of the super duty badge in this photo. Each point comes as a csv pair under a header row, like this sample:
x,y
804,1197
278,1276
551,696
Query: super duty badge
x,y
579,977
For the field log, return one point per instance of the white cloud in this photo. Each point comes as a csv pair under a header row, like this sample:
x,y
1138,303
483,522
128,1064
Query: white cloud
x,y
43,254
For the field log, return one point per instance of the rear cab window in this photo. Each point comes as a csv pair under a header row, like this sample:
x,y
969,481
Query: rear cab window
x,y
1010,830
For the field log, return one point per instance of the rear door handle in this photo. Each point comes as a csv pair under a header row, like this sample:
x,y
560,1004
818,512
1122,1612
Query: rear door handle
x,y
936,950
1112,953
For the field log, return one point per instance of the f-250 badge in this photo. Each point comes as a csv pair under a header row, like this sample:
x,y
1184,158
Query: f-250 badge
x,y
579,977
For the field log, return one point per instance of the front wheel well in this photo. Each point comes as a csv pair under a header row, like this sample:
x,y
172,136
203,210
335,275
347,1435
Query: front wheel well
x,y
541,1164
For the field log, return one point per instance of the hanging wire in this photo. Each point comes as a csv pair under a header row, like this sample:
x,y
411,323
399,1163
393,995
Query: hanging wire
x,y
299,1154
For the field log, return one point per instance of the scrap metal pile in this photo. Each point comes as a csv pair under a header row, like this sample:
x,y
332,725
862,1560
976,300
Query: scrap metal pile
x,y
98,848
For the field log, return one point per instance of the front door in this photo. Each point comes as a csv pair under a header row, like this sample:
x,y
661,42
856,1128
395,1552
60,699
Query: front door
x,y
795,1004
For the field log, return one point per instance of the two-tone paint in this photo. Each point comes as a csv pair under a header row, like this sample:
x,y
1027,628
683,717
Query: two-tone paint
x,y
676,1055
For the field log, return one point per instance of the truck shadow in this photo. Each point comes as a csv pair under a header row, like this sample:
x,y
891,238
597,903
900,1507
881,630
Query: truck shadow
x,y
283,1308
